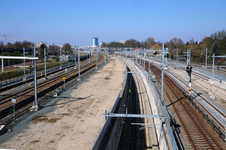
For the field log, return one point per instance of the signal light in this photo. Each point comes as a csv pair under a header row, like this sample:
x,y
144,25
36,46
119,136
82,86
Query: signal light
x,y
189,69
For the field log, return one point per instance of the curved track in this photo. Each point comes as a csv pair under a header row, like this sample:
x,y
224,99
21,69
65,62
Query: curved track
x,y
199,134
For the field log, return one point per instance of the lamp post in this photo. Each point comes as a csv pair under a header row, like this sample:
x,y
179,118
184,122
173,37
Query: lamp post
x,y
162,72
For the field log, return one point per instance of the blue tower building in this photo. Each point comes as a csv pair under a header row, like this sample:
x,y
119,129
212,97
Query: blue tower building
x,y
95,41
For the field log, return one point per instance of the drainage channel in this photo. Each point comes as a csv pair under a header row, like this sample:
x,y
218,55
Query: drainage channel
x,y
118,133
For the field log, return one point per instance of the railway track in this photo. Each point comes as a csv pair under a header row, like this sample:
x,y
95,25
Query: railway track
x,y
210,120
27,96
207,104
145,108
219,94
14,84
199,134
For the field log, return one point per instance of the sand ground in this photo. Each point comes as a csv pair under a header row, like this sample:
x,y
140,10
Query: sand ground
x,y
76,120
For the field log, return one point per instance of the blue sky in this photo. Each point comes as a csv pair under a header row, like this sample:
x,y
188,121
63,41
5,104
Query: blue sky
x,y
77,21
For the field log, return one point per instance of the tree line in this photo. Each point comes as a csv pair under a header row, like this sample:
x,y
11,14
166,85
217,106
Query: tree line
x,y
215,44
18,46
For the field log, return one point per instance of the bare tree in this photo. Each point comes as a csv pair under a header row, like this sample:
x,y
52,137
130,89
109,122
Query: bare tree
x,y
67,48
54,49
149,42
9,45
27,44
175,43
17,44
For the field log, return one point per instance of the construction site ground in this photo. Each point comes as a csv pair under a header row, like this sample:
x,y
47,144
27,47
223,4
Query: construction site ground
x,y
74,119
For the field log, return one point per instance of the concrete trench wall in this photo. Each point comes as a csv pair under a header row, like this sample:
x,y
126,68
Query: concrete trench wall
x,y
109,136
114,128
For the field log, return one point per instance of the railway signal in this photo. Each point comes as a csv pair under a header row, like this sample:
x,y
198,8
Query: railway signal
x,y
64,78
189,70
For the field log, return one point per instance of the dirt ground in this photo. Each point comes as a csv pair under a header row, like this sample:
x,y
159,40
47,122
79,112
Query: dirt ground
x,y
76,121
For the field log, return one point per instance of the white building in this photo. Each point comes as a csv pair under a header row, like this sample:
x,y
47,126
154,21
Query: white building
x,y
122,41
100,44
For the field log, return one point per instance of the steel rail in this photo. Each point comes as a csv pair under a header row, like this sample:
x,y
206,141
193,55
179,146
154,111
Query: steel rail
x,y
28,89
28,100
13,85
194,143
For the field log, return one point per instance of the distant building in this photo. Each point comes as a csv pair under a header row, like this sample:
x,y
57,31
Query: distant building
x,y
101,44
37,45
95,41
122,41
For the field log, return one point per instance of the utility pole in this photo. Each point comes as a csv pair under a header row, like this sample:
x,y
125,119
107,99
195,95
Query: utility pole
x,y
35,105
166,59
61,58
35,83
213,66
140,56
149,65
75,59
45,61
206,59
6,38
162,72
24,65
79,64
144,58
96,58
105,55
89,55
177,54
